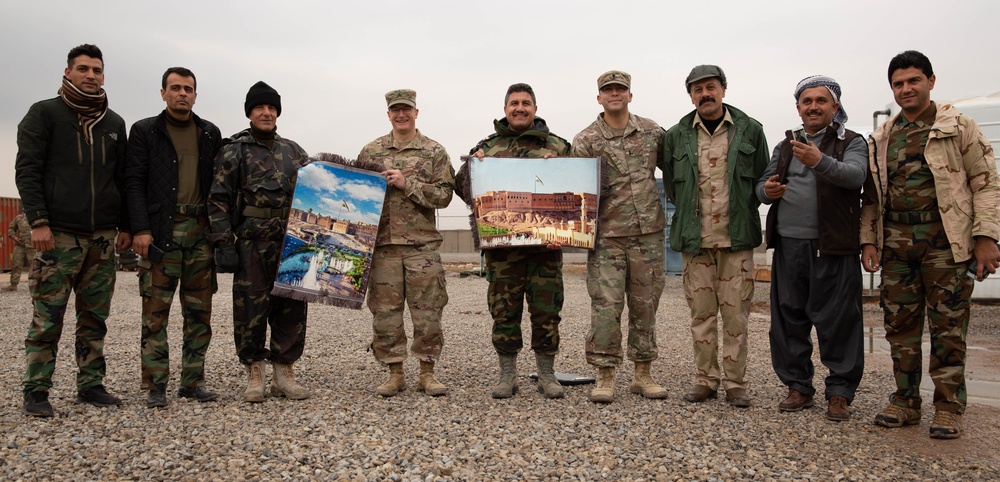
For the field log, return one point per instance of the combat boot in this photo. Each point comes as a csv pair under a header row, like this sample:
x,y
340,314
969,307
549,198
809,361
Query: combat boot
x,y
643,384
604,392
507,386
283,383
427,383
547,383
10,287
255,383
396,382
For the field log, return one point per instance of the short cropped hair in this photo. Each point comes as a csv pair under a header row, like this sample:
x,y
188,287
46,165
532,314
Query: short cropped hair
x,y
519,87
910,58
181,71
90,50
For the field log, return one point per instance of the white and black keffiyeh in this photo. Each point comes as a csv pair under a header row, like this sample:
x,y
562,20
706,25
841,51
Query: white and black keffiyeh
x,y
823,81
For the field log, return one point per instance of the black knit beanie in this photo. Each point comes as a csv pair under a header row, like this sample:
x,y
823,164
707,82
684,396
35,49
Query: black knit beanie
x,y
262,93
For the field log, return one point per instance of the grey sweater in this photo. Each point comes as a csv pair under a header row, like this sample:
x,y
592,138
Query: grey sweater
x,y
798,217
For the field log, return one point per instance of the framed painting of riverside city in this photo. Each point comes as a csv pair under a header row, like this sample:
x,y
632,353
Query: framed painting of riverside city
x,y
327,252
535,202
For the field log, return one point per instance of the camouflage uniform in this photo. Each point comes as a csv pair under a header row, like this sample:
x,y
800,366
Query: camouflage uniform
x,y
937,188
53,155
261,181
627,259
23,251
710,178
518,273
406,266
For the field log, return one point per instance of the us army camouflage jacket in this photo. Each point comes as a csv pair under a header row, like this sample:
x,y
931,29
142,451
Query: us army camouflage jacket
x,y
408,213
965,181
630,204
19,227
262,178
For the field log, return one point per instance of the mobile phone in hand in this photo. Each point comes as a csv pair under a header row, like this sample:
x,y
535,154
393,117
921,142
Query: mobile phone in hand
x,y
154,253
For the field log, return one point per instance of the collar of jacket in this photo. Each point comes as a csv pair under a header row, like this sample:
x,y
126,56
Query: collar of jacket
x,y
608,133
245,137
539,129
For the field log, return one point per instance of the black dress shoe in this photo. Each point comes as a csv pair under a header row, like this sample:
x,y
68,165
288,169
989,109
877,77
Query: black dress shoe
x,y
197,393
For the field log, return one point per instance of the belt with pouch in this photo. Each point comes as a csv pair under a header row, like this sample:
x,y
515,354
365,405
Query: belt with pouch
x,y
914,217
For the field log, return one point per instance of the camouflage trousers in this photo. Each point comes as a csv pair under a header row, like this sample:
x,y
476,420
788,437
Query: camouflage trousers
x,y
414,276
617,268
719,281
19,257
919,273
254,309
85,265
516,275
189,262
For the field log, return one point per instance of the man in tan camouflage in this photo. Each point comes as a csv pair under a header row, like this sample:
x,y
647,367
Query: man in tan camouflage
x,y
19,233
627,260
711,160
406,266
533,272
928,211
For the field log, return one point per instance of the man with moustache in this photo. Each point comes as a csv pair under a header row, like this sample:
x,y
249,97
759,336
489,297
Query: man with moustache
x,y
627,260
711,160
170,168
816,174
514,274
75,226
248,208
930,210
406,267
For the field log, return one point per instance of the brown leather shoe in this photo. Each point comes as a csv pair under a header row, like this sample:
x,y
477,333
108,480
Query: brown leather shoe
x,y
837,410
699,393
795,401
738,397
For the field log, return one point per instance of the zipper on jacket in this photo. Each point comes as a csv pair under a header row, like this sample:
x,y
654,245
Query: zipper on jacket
x,y
93,197
79,149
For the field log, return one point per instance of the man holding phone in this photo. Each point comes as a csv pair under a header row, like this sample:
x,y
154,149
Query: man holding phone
x,y
169,172
816,173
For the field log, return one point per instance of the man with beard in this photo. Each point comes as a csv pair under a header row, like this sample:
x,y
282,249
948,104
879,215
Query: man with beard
x,y
816,174
514,274
170,167
711,160
75,226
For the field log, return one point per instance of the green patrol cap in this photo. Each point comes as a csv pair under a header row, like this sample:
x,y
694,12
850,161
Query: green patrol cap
x,y
702,72
401,96
614,77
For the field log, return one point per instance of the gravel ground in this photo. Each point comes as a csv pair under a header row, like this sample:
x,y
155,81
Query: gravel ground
x,y
346,432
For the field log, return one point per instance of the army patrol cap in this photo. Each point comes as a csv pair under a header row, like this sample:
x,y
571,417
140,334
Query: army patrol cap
x,y
614,77
401,96
703,72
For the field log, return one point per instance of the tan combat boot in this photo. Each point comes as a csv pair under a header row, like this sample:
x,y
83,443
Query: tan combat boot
x,y
507,386
604,392
255,384
643,383
547,383
283,383
396,382
427,383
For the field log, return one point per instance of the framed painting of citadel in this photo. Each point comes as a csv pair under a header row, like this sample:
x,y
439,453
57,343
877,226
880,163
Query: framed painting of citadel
x,y
535,202
327,252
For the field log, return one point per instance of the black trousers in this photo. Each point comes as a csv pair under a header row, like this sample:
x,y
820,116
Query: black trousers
x,y
823,292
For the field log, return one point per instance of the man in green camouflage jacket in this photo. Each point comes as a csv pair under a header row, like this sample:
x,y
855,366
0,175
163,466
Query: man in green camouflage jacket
x,y
19,233
255,180
406,266
516,273
627,260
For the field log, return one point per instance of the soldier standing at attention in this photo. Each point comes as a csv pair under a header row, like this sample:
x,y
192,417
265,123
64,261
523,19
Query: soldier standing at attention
x,y
255,179
932,211
627,260
170,167
406,265
514,274
19,233
712,159
75,226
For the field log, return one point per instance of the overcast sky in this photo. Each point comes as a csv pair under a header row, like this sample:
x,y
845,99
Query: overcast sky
x,y
332,62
